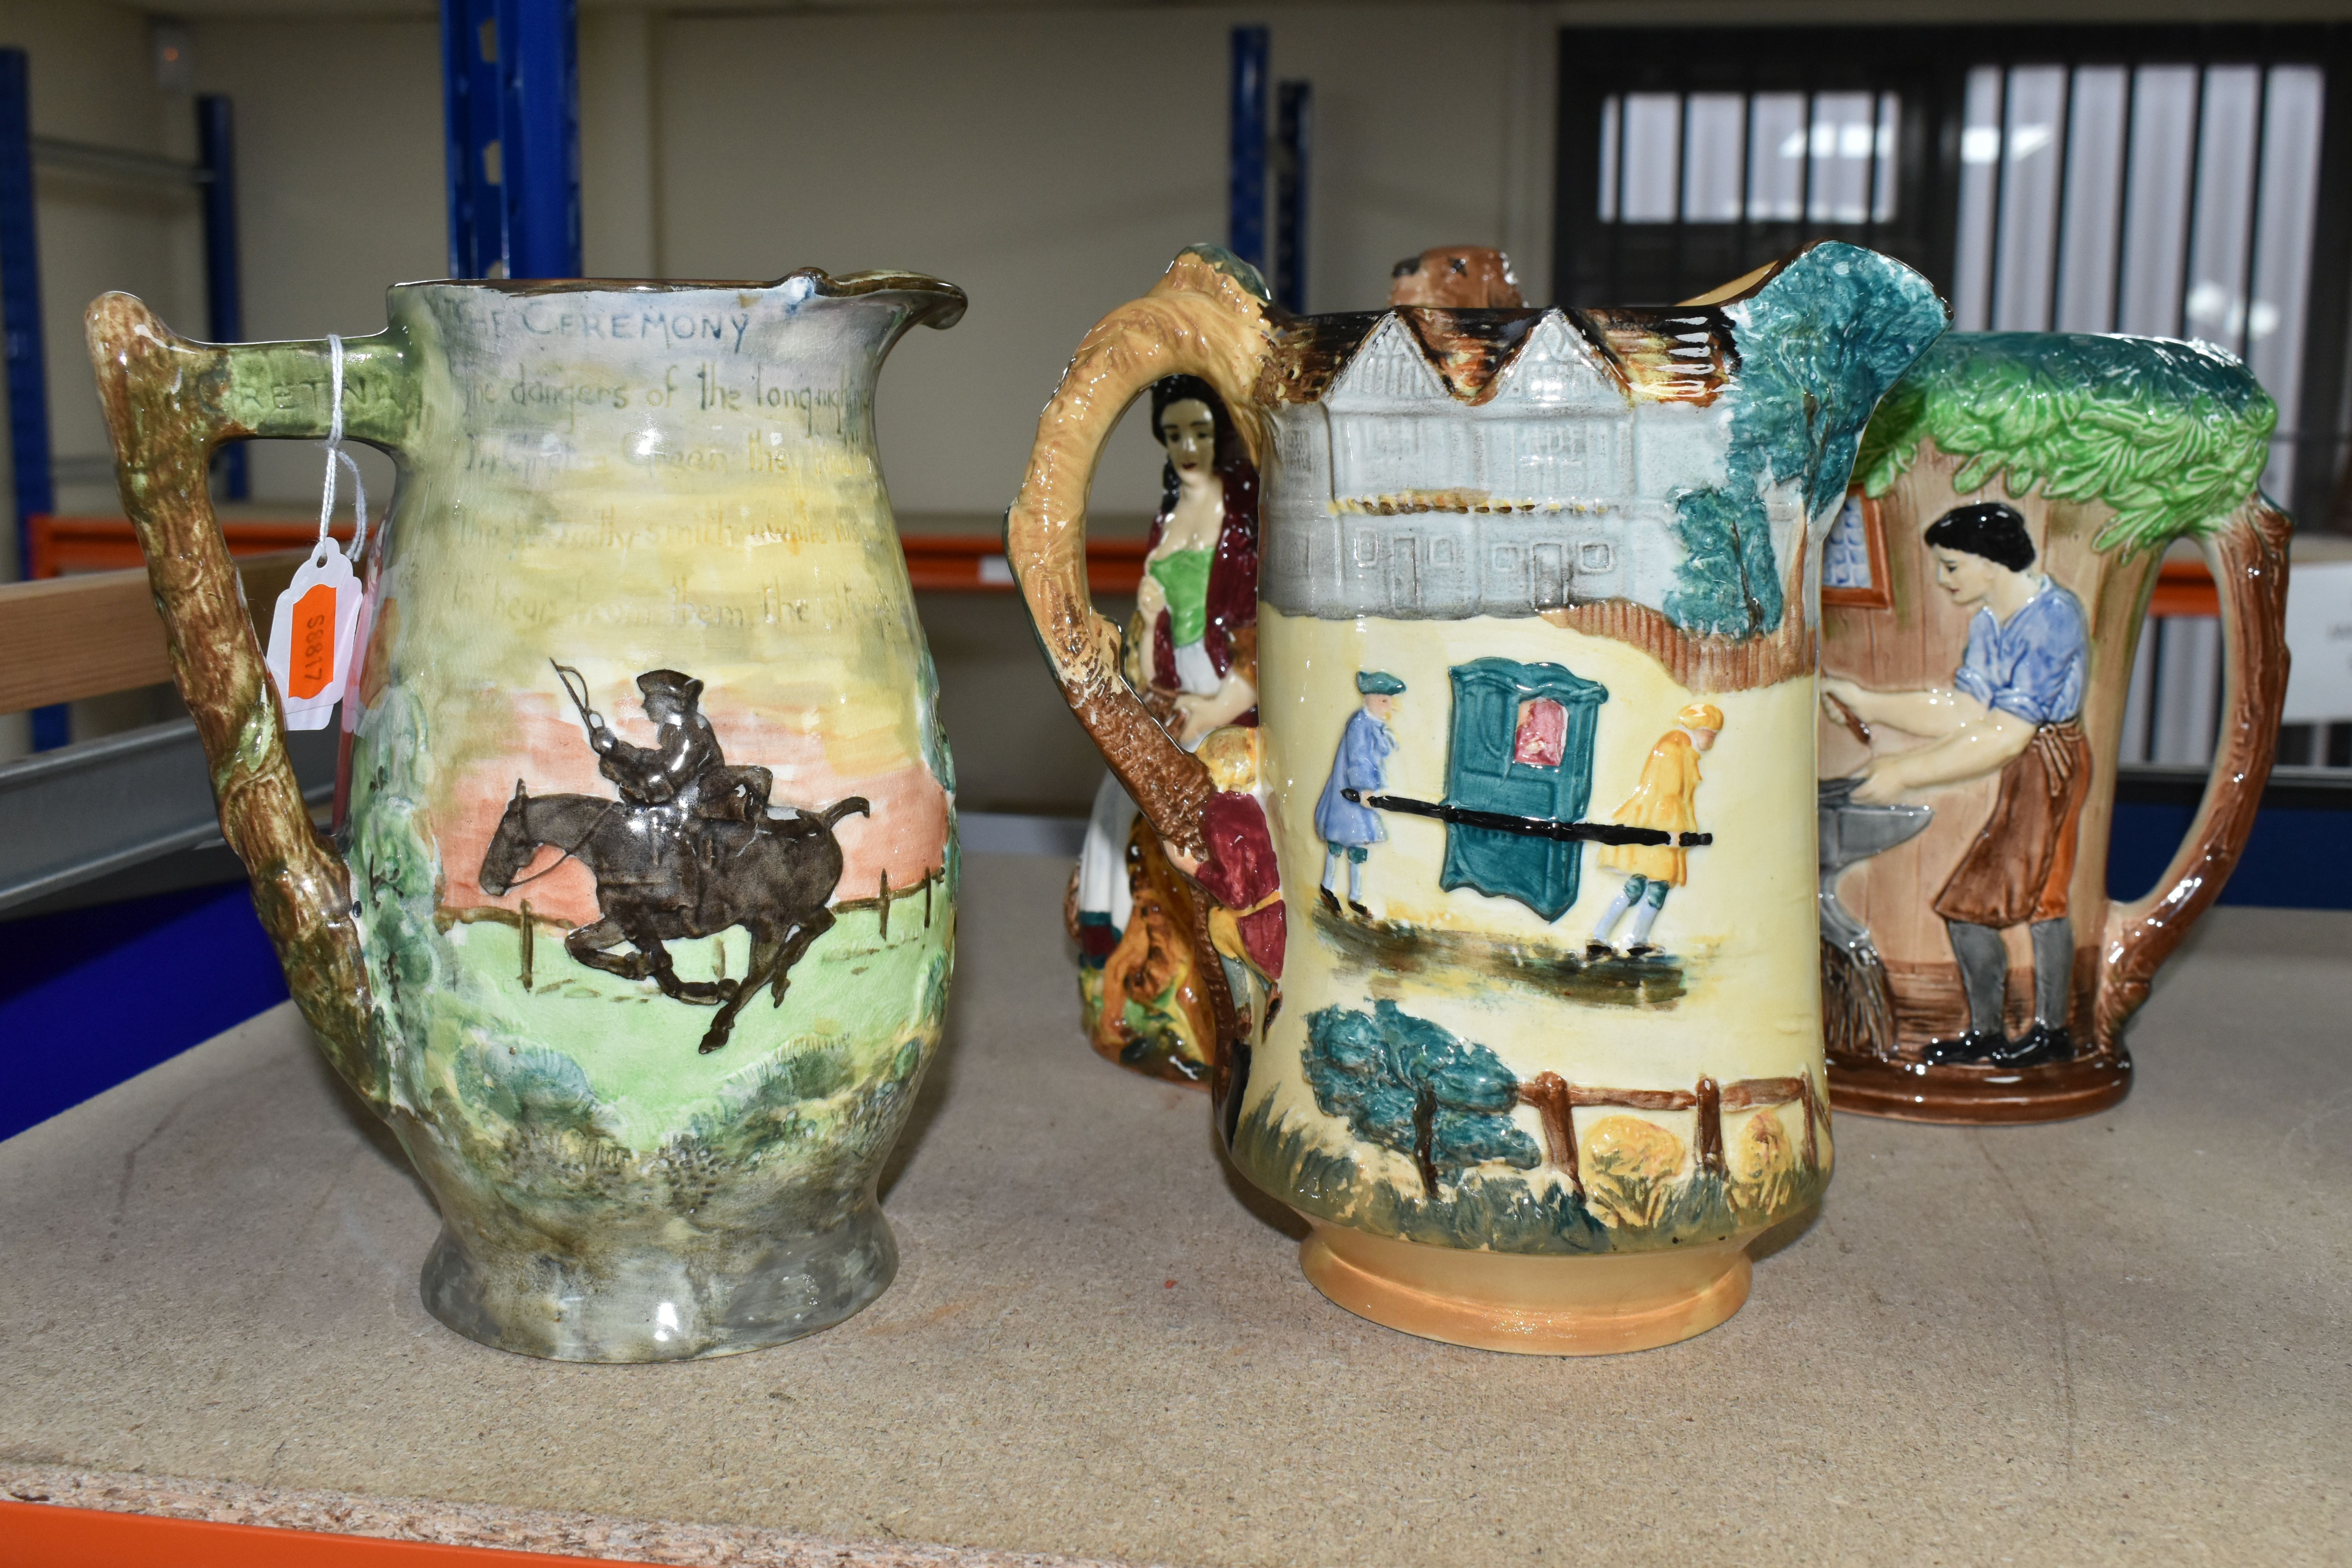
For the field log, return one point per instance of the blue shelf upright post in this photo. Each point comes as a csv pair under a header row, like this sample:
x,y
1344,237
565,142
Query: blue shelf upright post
x,y
1293,149
20,319
538,69
1246,179
470,77
510,75
223,282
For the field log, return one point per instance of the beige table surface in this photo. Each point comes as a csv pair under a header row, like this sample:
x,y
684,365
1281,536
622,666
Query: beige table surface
x,y
2122,1338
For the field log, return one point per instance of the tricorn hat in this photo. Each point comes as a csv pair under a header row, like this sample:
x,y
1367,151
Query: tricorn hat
x,y
1700,716
682,688
1377,683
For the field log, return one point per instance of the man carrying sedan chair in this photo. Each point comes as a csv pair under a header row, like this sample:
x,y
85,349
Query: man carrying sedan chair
x,y
1667,799
1349,828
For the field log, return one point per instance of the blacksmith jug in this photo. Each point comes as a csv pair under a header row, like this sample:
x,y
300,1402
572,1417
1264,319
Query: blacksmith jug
x,y
1984,596
637,915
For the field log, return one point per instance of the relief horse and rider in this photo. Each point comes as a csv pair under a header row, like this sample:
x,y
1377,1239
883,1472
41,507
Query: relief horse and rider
x,y
686,848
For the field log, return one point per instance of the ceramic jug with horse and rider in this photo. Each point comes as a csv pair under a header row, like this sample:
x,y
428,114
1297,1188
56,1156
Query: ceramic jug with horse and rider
x,y
646,998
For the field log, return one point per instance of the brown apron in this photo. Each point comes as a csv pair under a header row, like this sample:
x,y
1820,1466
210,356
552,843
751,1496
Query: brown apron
x,y
2023,857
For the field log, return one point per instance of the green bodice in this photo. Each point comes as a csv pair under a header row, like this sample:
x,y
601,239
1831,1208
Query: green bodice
x,y
1184,575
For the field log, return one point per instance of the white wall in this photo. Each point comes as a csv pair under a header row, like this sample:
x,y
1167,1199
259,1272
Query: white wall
x,y
1052,163
93,81
341,186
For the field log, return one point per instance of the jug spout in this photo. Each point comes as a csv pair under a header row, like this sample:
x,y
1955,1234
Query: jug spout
x,y
891,304
169,401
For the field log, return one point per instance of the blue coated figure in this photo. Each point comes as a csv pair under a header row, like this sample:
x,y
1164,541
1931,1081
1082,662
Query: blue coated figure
x,y
1349,827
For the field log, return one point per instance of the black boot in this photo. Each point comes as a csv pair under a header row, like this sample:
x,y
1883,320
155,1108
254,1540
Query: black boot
x,y
1330,900
2039,1045
2053,987
1984,978
1975,1045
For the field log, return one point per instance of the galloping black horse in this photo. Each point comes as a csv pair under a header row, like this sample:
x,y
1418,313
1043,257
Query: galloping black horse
x,y
661,877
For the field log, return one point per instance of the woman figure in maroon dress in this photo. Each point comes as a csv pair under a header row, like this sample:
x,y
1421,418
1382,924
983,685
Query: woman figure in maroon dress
x,y
1192,656
1196,608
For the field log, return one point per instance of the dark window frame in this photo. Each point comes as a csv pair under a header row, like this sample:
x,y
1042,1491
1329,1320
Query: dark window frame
x,y
1880,595
1598,263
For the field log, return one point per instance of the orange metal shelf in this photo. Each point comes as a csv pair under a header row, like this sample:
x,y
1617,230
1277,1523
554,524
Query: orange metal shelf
x,y
967,563
2185,588
42,1535
975,561
952,562
66,545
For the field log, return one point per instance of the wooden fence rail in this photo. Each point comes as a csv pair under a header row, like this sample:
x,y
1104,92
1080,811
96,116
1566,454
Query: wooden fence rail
x,y
888,895
1555,1100
526,919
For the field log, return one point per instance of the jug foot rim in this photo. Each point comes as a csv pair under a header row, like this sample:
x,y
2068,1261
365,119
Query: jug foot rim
x,y
1610,1303
1977,1095
631,1328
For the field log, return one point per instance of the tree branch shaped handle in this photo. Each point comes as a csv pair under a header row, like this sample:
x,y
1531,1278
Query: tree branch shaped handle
x,y
1202,320
169,403
2248,559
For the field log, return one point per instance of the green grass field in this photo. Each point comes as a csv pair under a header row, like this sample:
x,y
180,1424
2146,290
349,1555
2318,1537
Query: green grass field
x,y
853,992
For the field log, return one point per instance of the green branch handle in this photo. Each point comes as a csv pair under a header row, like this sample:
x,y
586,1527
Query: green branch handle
x,y
169,403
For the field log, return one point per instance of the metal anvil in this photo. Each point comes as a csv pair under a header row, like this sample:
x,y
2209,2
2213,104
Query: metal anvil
x,y
1850,833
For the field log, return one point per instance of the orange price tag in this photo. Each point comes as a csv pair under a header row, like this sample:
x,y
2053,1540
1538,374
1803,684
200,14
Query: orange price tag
x,y
314,642
311,638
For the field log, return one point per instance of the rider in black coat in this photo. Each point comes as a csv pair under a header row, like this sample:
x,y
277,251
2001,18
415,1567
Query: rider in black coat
x,y
683,767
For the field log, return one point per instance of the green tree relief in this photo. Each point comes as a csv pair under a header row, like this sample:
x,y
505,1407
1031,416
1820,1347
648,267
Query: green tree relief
x,y
2171,436
1729,584
1409,1085
1819,345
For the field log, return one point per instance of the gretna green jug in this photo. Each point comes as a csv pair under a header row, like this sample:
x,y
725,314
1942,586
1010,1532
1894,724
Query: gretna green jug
x,y
638,914
1537,1049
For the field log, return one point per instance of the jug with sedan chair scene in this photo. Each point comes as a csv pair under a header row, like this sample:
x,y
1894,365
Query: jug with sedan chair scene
x,y
1144,936
1530,581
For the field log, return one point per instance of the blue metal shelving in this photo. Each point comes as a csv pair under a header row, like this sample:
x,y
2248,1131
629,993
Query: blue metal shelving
x,y
1294,151
511,77
1245,177
223,285
20,319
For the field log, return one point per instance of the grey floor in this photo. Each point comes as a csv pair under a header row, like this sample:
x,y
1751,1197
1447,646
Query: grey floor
x,y
2116,1340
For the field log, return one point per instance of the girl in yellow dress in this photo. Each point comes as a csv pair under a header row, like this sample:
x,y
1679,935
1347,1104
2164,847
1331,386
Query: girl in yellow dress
x,y
1666,798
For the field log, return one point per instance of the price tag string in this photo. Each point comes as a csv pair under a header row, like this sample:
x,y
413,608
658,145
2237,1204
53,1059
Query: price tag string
x,y
310,637
335,454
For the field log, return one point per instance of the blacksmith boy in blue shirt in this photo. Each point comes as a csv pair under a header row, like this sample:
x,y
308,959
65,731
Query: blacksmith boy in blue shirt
x,y
2014,706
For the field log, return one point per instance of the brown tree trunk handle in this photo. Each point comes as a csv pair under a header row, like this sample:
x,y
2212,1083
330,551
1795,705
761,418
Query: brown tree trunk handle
x,y
1200,320
169,403
2247,557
